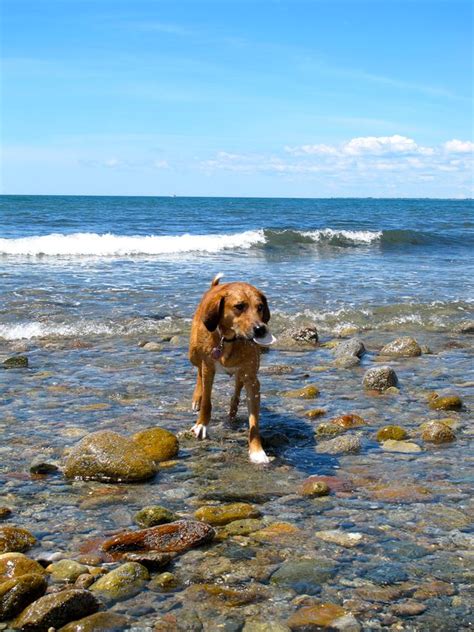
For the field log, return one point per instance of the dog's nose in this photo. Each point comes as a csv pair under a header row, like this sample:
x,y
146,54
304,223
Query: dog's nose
x,y
259,331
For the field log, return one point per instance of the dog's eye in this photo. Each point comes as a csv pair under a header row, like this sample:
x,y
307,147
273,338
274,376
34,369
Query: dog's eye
x,y
239,307
260,308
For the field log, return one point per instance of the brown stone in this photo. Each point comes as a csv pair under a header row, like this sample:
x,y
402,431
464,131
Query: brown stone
x,y
350,420
399,492
319,616
314,487
174,537
56,609
98,622
15,539
158,443
409,608
18,592
17,564
446,400
229,596
434,588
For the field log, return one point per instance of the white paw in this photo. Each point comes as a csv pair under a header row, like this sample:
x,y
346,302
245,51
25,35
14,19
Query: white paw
x,y
259,457
196,406
199,431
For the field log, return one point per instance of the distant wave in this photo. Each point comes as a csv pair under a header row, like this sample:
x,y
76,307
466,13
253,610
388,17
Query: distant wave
x,y
110,245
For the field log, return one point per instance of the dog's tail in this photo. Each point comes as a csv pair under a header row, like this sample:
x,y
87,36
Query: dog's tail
x,y
216,279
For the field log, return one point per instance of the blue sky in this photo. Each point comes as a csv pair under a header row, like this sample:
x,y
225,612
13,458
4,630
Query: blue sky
x,y
251,98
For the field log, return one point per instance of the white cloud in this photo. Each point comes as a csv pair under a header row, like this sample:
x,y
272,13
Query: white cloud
x,y
305,150
459,146
378,145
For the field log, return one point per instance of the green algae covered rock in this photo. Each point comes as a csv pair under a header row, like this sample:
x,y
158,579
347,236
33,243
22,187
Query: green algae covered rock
x,y
405,347
56,609
444,400
159,444
107,456
307,392
121,583
66,570
219,515
16,362
153,515
98,622
397,433
16,564
18,592
15,539
437,432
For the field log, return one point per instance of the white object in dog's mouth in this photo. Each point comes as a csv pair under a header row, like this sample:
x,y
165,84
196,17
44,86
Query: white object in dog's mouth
x,y
266,340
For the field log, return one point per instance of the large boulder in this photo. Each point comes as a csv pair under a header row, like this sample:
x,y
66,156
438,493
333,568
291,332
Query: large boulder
x,y
158,443
56,609
18,592
405,347
380,378
16,564
99,622
107,456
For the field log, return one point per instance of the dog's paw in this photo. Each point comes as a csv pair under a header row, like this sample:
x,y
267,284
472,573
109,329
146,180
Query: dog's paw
x,y
258,456
199,431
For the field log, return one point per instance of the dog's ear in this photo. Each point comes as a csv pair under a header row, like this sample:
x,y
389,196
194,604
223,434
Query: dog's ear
x,y
266,310
212,313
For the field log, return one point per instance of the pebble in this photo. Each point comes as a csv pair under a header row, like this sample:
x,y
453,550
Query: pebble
x,y
346,444
409,608
154,515
307,392
343,538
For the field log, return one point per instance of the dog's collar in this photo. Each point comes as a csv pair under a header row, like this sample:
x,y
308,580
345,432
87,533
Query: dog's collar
x,y
224,339
217,352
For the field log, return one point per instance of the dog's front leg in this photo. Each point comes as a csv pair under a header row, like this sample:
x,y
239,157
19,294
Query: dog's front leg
x,y
256,452
207,380
234,402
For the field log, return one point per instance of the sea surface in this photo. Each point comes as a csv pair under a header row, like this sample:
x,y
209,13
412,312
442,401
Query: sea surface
x,y
86,282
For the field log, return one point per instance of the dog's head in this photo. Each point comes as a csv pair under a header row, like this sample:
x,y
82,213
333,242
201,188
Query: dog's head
x,y
238,308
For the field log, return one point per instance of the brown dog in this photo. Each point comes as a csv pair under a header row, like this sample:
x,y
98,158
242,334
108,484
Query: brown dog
x,y
228,328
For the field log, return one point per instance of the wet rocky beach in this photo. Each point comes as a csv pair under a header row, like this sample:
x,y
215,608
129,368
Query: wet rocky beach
x,y
362,520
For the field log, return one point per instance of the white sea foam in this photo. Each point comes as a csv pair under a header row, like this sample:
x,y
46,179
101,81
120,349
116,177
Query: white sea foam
x,y
34,329
109,245
356,236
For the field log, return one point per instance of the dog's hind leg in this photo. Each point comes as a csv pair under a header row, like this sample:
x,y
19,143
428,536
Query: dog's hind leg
x,y
207,380
234,402
197,395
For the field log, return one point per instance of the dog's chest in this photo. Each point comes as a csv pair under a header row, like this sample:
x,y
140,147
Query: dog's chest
x,y
224,369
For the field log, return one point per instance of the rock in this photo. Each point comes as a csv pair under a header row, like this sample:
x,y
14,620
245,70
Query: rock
x,y
151,346
314,487
56,609
406,347
66,570
328,429
219,515
259,625
305,334
304,576
343,538
347,362
230,596
152,560
352,347
307,392
40,467
380,378
84,581
16,362
405,447
164,582
121,583
16,564
159,444
386,574
322,615
444,400
154,515
107,456
240,527
408,608
350,420
465,327
277,532
5,512
334,483
99,622
315,412
18,592
437,432
401,492
346,444
175,537
434,588
397,433
15,539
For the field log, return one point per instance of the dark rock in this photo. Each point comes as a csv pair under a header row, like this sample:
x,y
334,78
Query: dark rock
x,y
107,456
41,467
305,334
152,560
15,539
175,537
16,362
386,574
18,592
56,609
380,378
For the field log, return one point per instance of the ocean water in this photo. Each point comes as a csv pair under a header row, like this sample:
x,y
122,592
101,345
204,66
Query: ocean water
x,y
86,281
110,265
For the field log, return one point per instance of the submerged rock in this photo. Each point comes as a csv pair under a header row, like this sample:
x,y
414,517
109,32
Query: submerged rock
x,y
343,538
18,592
328,429
380,378
15,539
56,609
437,432
154,515
312,486
319,616
5,512
152,560
231,596
444,400
315,412
159,444
397,433
121,583
240,527
99,622
406,347
16,362
349,420
219,515
406,447
345,444
175,537
108,456
307,392
304,576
